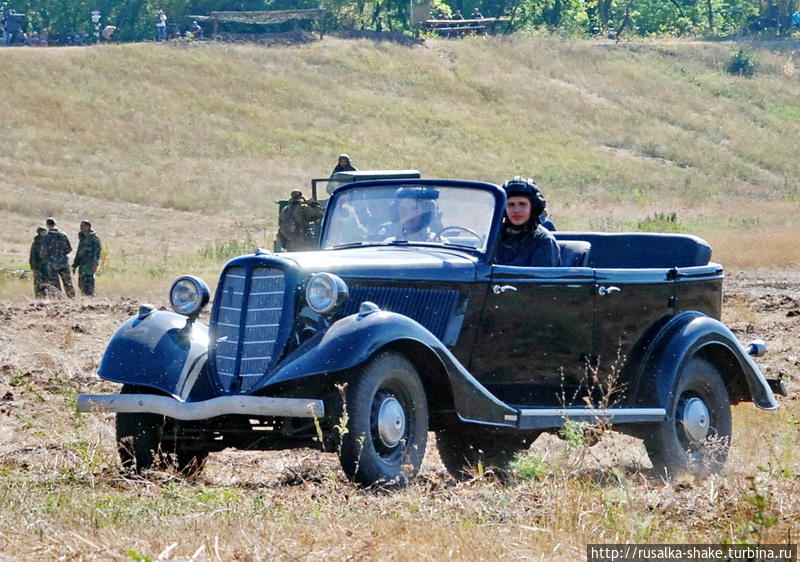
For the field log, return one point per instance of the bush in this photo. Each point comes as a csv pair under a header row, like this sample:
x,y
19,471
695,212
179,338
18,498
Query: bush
x,y
229,249
530,467
743,63
661,222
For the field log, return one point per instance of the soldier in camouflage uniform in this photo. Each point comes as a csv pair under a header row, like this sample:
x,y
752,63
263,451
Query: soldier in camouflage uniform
x,y
56,247
294,234
86,258
38,264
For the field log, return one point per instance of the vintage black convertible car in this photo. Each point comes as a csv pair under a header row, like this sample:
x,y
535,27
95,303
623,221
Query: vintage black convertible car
x,y
366,345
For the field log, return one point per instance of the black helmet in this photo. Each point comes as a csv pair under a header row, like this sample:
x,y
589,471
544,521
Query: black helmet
x,y
417,192
520,186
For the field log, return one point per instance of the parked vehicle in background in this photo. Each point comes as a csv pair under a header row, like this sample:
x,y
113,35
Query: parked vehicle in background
x,y
369,343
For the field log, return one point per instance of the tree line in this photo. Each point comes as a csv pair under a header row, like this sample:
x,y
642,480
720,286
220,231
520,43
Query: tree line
x,y
135,19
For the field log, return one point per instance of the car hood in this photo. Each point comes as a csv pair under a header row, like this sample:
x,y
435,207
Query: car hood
x,y
389,263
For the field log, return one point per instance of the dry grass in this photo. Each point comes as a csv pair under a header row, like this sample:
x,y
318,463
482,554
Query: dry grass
x,y
208,136
63,497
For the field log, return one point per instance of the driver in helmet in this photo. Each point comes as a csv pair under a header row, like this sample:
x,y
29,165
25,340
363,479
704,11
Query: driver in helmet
x,y
415,209
524,241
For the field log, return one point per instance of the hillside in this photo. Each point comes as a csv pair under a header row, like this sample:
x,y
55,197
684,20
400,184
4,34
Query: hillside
x,y
171,147
178,153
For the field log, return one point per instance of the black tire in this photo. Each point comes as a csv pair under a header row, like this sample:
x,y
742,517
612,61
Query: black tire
x,y
144,442
462,449
139,441
387,427
700,397
189,462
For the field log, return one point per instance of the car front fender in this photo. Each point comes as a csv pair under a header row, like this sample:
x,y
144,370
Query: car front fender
x,y
161,350
354,339
692,334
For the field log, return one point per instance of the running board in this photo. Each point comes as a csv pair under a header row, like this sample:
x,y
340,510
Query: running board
x,y
546,418
205,409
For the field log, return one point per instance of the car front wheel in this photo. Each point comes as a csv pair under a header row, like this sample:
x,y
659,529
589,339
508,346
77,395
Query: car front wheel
x,y
147,441
386,415
696,435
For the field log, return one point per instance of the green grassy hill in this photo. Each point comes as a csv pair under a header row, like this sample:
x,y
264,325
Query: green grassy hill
x,y
173,147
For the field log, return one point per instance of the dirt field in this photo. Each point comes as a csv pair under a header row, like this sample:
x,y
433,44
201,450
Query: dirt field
x,y
61,494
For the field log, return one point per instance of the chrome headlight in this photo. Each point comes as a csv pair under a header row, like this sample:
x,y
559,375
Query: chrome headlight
x,y
325,292
188,295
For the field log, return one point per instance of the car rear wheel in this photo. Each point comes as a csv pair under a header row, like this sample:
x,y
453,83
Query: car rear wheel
x,y
147,441
463,449
387,422
696,435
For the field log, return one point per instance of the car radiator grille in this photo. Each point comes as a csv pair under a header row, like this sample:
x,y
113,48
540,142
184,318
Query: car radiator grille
x,y
248,319
433,308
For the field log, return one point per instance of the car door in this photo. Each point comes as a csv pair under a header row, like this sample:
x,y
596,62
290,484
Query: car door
x,y
631,306
535,333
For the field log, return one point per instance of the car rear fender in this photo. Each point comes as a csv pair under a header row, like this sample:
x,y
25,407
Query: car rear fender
x,y
693,334
160,350
352,340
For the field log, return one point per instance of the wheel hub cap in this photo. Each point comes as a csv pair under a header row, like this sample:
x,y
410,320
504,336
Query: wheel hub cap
x,y
391,422
696,419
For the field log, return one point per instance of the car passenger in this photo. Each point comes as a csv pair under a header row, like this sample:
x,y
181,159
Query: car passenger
x,y
524,241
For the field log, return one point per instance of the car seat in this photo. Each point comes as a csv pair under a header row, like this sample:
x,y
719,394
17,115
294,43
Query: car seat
x,y
574,253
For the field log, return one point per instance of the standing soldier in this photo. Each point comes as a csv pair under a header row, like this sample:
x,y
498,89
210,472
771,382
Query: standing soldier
x,y
38,263
56,247
86,258
294,221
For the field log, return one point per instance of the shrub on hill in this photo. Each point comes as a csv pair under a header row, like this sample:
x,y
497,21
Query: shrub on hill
x,y
742,63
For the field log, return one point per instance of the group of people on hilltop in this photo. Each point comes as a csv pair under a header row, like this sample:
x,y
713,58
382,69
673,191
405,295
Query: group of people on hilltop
x,y
49,260
194,31
13,24
457,15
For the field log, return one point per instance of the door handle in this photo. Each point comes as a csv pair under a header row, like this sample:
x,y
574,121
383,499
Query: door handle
x,y
497,289
602,290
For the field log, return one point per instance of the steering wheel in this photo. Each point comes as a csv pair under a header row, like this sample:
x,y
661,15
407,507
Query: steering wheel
x,y
455,228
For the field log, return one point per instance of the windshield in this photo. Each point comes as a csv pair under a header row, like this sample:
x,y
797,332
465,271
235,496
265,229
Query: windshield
x,y
410,214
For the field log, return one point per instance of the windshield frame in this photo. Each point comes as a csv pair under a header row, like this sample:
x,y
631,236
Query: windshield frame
x,y
497,193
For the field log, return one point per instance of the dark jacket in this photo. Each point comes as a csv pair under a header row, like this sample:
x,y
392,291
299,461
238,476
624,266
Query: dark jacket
x,y
37,259
348,168
526,247
88,252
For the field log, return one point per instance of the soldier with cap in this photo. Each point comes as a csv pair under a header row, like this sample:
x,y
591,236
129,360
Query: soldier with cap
x,y
38,263
56,247
87,257
294,233
524,241
344,165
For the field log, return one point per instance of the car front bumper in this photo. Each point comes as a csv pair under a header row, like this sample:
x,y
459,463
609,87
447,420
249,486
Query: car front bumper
x,y
220,406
